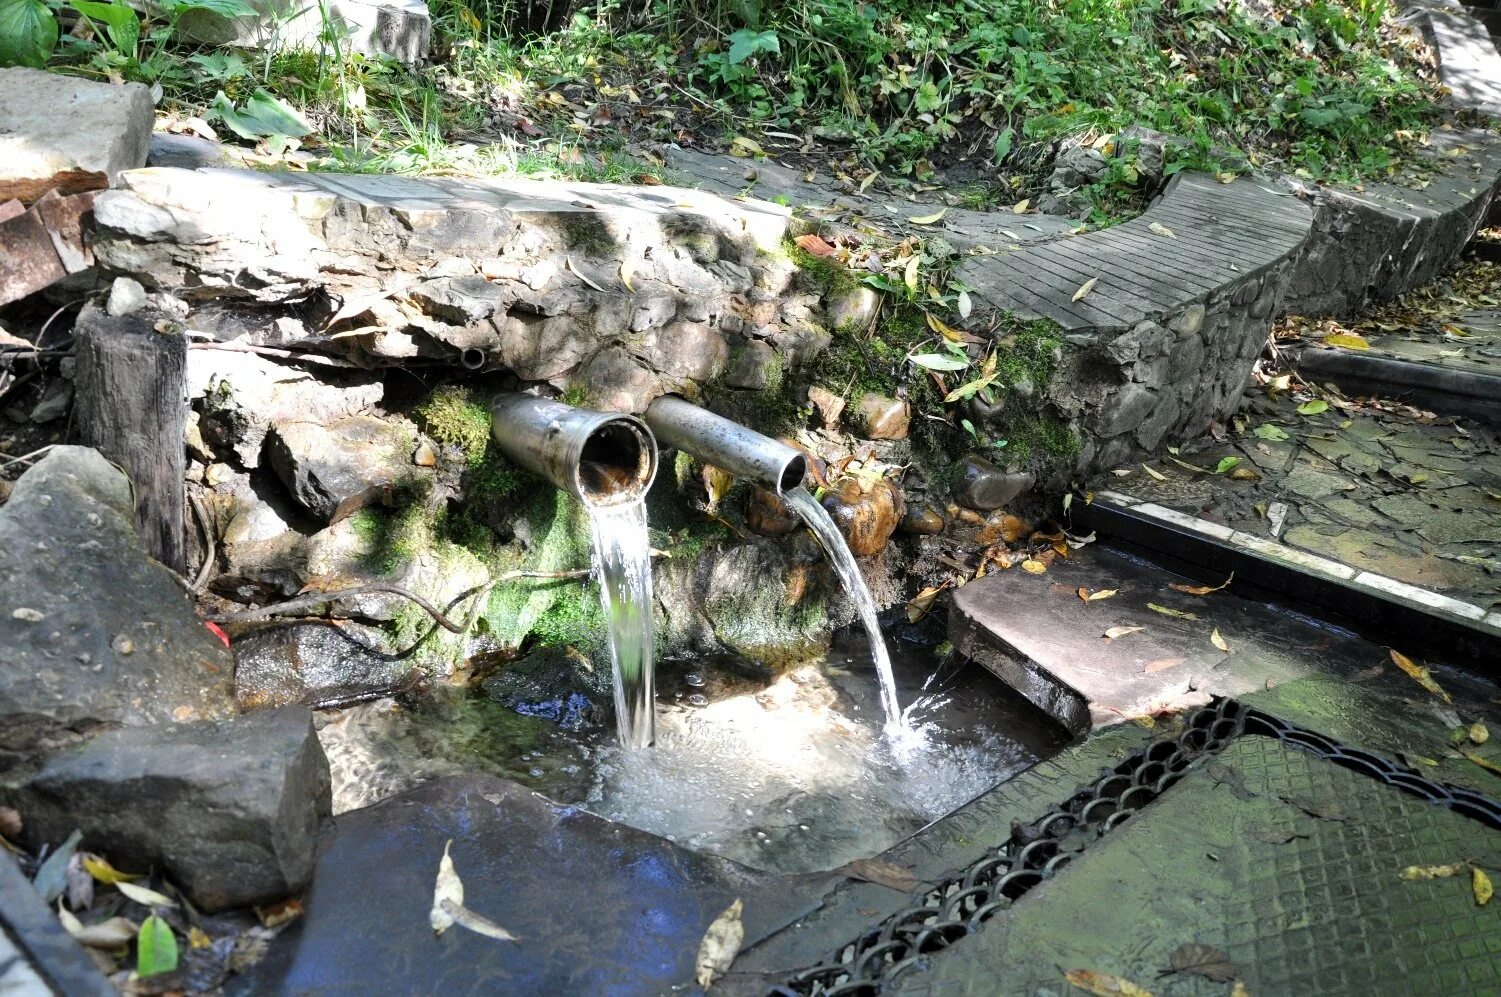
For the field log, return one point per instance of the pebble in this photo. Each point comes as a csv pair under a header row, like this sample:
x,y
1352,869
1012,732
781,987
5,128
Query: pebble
x,y
694,679
29,615
698,699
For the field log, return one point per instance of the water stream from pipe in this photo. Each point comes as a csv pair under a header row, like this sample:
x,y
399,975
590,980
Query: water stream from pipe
x,y
822,525
622,561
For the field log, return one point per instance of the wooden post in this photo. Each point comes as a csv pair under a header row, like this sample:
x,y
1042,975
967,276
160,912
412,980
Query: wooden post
x,y
131,405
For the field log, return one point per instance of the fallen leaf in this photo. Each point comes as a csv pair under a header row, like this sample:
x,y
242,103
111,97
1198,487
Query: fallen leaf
x,y
1239,989
112,934
720,945
1481,884
932,219
1478,732
882,872
52,878
1162,664
1218,641
1203,960
477,923
156,947
568,262
448,888
1267,431
1314,807
1085,288
964,305
80,892
945,330
1169,611
1313,407
104,872
1033,567
1416,872
198,938
815,245
1020,207
1481,760
1244,474
1201,589
1115,632
1348,340
1104,984
277,914
143,896
922,602
1156,474
870,178
627,270
745,148
1157,228
909,275
1418,674
1089,596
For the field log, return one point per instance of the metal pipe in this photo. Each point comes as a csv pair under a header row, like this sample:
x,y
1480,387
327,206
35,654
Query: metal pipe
x,y
473,359
601,458
729,446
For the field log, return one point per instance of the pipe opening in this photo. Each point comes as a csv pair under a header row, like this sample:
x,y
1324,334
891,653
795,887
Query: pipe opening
x,y
472,359
615,463
793,473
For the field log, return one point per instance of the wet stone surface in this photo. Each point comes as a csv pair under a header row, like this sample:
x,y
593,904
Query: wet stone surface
x,y
1386,490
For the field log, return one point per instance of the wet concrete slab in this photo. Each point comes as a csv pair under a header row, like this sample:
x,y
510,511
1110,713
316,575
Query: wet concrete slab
x,y
599,908
1041,637
1285,864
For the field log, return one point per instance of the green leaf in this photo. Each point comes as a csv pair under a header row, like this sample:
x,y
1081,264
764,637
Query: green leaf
x,y
1003,143
28,33
938,361
156,948
1267,431
121,24
262,116
1313,407
224,8
745,44
1225,464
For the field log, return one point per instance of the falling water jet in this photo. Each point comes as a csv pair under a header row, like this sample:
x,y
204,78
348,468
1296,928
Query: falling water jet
x,y
744,453
607,461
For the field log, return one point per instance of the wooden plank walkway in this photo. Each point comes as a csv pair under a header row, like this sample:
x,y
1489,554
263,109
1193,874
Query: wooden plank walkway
x,y
1223,235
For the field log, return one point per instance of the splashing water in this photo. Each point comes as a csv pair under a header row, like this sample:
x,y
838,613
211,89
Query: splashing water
x,y
622,560
828,535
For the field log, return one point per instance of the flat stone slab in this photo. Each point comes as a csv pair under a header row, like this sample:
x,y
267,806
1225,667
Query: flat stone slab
x,y
1233,857
68,132
598,907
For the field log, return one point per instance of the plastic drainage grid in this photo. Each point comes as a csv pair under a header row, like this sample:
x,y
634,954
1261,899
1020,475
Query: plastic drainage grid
x,y
962,903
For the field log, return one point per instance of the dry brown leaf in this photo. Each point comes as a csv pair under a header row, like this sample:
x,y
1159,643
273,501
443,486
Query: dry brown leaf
x,y
1115,632
1203,960
1418,674
477,923
1085,288
882,872
1096,596
1157,228
1481,760
1162,664
1033,566
1201,589
448,893
1156,474
720,945
1481,884
143,896
922,602
1218,641
1416,872
815,245
1104,984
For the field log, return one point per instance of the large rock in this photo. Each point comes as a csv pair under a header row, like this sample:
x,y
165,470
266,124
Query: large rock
x,y
337,469
981,485
229,809
867,516
92,632
68,133
317,665
401,29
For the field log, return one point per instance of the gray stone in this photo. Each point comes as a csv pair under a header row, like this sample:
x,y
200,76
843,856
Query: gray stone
x,y
616,382
653,312
52,124
337,469
551,684
539,348
314,664
125,296
880,418
1189,321
854,307
1310,484
1163,418
54,402
398,28
92,632
1124,410
979,484
754,366
229,809
459,300
187,152
1187,360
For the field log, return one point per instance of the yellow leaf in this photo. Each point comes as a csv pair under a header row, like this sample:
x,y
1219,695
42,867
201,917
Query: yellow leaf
x,y
744,147
1348,340
1020,207
1033,567
1239,989
198,938
1481,760
1478,732
922,602
1154,472
910,276
870,178
143,896
1158,228
1089,596
1104,985
1418,674
104,872
1415,872
626,272
1115,632
1481,884
1169,611
1085,288
944,329
932,219
1218,641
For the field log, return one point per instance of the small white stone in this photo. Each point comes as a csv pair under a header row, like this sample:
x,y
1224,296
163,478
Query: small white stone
x,y
28,614
125,296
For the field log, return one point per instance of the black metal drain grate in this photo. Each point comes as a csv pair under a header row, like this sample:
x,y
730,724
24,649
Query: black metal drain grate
x,y
962,903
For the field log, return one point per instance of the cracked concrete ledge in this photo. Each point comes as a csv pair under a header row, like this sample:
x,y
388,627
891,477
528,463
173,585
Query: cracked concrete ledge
x,y
1367,597
1436,386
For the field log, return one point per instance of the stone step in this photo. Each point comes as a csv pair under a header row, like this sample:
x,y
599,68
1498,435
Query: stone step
x,y
1415,372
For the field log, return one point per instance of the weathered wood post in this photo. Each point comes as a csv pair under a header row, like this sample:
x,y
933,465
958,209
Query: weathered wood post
x,y
131,391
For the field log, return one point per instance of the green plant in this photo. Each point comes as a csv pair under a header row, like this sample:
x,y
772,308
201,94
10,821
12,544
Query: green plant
x,y
28,33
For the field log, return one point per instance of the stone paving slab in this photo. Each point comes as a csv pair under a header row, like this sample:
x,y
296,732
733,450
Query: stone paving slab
x,y
1234,857
598,907
1398,505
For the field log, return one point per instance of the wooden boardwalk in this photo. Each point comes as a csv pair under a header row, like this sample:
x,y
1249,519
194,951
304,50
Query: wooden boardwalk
x,y
1223,235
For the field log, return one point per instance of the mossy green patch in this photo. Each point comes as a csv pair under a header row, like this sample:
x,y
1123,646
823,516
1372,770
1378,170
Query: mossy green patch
x,y
454,417
559,541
